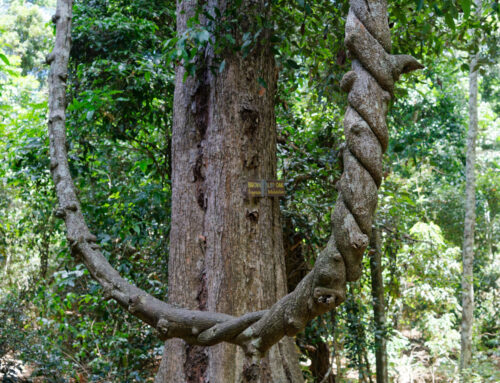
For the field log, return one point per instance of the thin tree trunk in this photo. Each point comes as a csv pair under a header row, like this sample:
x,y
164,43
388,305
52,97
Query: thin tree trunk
x,y
469,225
44,248
357,330
321,363
338,347
226,250
6,266
378,306
489,218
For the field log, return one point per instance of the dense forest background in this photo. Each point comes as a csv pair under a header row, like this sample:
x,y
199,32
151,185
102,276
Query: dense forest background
x,y
53,322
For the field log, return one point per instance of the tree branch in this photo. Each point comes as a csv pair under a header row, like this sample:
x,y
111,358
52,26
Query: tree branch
x,y
167,319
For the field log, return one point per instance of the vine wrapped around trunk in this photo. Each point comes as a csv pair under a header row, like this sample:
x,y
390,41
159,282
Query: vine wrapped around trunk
x,y
370,85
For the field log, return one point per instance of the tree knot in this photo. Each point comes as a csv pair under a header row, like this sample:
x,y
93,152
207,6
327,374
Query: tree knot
x,y
163,327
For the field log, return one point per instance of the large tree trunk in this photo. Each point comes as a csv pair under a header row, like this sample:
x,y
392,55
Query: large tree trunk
x,y
469,225
226,251
378,306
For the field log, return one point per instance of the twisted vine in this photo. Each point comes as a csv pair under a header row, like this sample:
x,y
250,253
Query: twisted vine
x,y
370,85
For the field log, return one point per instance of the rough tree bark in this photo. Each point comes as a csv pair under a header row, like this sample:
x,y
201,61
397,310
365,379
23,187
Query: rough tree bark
x,y
226,250
378,306
370,85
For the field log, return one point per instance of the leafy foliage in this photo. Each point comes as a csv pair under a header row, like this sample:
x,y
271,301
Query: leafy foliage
x,y
119,125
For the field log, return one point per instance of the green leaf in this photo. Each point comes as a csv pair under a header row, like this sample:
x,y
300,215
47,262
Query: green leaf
x,y
292,64
11,72
465,4
203,36
143,165
4,59
448,18
222,66
230,38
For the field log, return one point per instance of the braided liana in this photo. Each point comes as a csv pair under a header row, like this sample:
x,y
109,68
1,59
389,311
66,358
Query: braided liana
x,y
370,85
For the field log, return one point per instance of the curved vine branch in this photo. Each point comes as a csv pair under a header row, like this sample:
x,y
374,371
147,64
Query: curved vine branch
x,y
170,321
369,84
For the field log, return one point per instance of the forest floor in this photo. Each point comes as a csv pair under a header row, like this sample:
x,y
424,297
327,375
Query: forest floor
x,y
417,369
